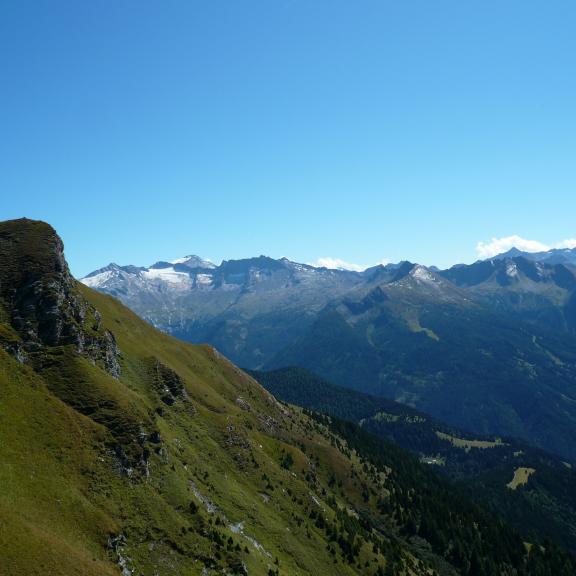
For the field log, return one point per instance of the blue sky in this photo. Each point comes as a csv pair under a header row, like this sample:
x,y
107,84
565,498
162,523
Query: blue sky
x,y
357,130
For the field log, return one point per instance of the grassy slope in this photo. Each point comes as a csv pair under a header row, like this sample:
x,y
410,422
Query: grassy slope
x,y
545,508
49,525
62,495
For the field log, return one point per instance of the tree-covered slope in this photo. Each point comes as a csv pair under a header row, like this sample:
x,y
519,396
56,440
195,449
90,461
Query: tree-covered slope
x,y
542,508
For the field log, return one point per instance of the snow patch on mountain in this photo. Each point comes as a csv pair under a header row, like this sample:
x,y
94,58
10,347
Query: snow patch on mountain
x,y
193,261
168,275
204,279
422,274
176,275
180,260
511,269
98,280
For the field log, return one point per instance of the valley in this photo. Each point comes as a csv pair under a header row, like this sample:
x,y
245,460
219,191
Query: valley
x,y
542,504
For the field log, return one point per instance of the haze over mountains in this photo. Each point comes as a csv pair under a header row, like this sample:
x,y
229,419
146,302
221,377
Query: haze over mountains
x,y
488,346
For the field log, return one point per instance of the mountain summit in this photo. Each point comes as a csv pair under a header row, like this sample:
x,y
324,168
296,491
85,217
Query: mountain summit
x,y
193,262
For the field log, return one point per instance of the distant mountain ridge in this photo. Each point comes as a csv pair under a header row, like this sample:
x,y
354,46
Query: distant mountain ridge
x,y
489,346
553,256
232,305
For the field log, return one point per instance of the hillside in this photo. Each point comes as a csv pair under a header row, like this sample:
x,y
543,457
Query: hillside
x,y
127,451
544,507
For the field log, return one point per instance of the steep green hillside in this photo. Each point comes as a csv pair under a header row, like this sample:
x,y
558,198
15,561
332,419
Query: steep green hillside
x,y
543,508
126,451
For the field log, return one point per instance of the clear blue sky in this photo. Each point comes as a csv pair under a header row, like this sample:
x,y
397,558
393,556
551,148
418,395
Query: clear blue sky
x,y
352,129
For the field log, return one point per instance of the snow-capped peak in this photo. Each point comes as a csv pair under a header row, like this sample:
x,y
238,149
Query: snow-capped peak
x,y
422,274
111,267
180,260
193,261
99,278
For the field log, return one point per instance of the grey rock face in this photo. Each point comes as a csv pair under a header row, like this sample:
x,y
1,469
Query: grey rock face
x,y
42,300
168,383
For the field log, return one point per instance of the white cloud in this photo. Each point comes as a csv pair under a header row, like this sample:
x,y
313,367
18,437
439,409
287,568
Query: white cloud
x,y
338,264
499,245
568,243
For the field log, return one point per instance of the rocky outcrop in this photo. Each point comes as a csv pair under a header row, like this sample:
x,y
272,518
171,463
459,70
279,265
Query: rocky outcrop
x,y
102,350
47,323
243,404
167,382
41,300
117,545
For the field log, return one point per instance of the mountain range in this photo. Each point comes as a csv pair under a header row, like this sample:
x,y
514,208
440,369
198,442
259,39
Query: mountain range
x,y
126,451
553,256
489,347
